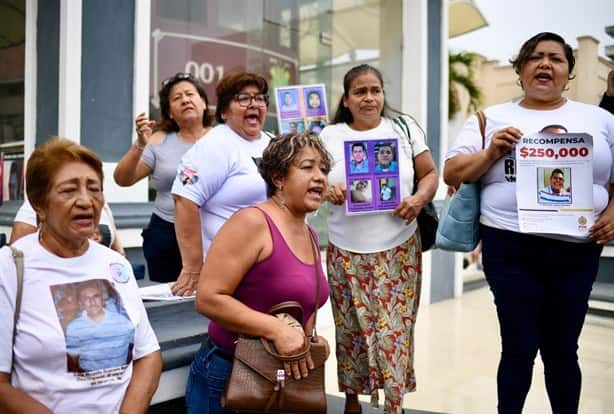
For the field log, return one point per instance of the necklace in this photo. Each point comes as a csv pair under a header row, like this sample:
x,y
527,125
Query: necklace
x,y
280,203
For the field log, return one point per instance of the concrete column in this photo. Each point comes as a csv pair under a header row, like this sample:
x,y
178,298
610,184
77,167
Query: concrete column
x,y
30,78
414,59
586,87
390,47
69,114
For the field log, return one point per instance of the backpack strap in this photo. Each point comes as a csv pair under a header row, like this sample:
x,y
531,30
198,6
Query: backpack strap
x,y
482,122
18,258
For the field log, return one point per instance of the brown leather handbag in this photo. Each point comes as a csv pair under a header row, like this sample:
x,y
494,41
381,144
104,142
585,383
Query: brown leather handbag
x,y
258,382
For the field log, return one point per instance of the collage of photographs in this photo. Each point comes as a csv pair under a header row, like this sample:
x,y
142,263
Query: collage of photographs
x,y
372,175
301,108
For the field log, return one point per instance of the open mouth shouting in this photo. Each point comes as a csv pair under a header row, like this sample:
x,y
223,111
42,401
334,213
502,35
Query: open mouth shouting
x,y
252,119
84,220
543,77
316,192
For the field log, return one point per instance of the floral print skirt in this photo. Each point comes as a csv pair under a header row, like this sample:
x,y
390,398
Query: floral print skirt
x,y
375,299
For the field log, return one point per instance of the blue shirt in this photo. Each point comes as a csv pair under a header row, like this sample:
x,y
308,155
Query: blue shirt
x,y
100,344
393,167
547,195
364,167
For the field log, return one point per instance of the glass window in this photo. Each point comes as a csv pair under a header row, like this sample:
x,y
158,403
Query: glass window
x,y
271,37
289,42
12,61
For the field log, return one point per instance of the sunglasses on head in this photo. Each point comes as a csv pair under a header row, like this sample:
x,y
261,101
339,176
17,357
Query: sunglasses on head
x,y
178,77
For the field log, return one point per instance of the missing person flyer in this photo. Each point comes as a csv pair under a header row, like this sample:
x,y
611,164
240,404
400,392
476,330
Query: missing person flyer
x,y
301,108
554,183
372,175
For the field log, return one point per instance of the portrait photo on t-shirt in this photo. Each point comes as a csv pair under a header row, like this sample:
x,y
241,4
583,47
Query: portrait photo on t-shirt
x,y
99,334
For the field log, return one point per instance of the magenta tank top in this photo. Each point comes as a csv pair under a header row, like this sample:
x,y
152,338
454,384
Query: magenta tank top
x,y
280,277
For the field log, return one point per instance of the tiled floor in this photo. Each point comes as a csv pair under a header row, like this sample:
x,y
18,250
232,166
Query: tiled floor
x,y
457,350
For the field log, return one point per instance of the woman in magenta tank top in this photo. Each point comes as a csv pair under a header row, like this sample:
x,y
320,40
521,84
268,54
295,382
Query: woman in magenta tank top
x,y
262,256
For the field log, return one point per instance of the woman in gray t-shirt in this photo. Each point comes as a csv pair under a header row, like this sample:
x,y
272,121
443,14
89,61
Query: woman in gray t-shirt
x,y
185,118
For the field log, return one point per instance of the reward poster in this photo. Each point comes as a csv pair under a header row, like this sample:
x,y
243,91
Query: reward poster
x,y
554,186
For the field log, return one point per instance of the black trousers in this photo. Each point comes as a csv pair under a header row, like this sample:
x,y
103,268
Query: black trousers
x,y
161,250
541,288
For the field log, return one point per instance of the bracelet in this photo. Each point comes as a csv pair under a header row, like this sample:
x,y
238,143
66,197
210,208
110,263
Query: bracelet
x,y
190,273
138,146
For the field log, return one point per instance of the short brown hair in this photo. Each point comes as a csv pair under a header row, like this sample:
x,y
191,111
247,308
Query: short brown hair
x,y
231,84
48,159
282,150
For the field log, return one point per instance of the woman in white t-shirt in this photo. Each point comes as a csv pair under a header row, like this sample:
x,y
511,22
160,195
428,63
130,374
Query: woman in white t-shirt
x,y
219,175
374,259
541,282
82,341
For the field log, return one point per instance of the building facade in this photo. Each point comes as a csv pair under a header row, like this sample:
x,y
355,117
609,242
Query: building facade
x,y
83,69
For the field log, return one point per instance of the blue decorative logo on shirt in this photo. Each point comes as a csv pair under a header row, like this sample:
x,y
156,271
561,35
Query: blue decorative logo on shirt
x,y
119,272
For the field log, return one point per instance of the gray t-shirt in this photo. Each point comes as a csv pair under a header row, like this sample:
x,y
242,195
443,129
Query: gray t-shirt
x,y
163,158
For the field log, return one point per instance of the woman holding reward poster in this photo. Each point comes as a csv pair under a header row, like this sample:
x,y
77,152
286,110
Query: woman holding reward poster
x,y
541,300
374,260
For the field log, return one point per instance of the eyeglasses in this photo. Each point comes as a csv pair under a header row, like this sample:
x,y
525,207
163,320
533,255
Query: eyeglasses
x,y
178,77
558,178
246,99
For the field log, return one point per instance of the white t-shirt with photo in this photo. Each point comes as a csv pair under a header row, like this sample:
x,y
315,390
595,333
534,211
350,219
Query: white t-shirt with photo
x,y
498,198
220,175
372,232
40,367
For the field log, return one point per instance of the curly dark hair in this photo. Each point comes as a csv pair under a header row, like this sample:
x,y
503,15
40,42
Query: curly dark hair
x,y
281,152
529,47
166,123
231,84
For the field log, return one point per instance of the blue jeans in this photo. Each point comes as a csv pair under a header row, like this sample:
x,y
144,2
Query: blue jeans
x,y
208,375
541,288
161,250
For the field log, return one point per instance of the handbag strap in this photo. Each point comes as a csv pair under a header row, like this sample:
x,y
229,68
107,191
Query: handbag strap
x,y
18,258
482,122
404,128
317,263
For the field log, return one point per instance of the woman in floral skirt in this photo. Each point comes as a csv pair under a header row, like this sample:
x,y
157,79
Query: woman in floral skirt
x,y
374,260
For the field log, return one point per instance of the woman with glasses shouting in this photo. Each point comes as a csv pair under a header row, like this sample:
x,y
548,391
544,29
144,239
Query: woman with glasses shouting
x,y
184,119
219,175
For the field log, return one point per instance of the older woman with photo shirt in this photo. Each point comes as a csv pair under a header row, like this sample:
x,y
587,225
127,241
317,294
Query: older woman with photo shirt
x,y
64,184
